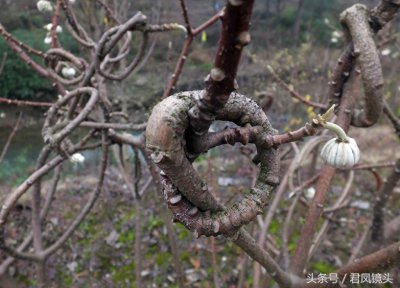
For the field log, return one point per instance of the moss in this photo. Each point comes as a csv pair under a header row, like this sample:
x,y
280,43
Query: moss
x,y
163,259
182,232
64,279
154,222
323,267
124,276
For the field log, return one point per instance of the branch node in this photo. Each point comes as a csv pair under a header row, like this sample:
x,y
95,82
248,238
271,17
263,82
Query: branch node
x,y
236,2
175,200
235,85
216,227
244,38
217,74
193,212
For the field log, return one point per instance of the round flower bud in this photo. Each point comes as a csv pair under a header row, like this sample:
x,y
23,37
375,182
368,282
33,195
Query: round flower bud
x,y
44,5
49,26
309,193
341,153
68,72
77,158
47,40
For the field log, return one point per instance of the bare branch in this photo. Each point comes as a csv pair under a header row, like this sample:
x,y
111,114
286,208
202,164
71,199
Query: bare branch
x,y
220,83
3,62
185,52
294,93
10,137
186,17
377,227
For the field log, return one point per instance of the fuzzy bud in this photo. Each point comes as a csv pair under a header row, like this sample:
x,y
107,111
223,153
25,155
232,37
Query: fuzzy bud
x,y
217,74
49,26
44,6
176,199
47,40
77,158
68,72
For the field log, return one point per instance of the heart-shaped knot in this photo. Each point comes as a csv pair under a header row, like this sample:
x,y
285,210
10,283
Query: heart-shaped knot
x,y
186,193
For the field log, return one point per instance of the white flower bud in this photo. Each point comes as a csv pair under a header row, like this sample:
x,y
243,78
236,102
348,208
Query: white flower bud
x,y
44,5
68,72
337,34
309,193
386,52
47,40
49,26
77,158
341,153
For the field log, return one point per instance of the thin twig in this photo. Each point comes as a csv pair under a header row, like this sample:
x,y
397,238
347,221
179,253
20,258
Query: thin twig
x,y
339,202
294,93
10,137
377,227
185,52
186,17
25,103
3,62
360,244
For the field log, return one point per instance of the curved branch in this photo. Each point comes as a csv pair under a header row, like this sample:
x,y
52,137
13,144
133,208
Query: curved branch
x,y
165,135
89,205
379,16
75,28
54,56
53,138
356,20
131,67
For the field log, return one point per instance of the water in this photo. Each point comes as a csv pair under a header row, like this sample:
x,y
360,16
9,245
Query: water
x,y
25,145
27,141
20,159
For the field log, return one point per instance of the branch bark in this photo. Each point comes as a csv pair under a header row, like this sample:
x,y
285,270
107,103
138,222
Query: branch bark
x,y
220,83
